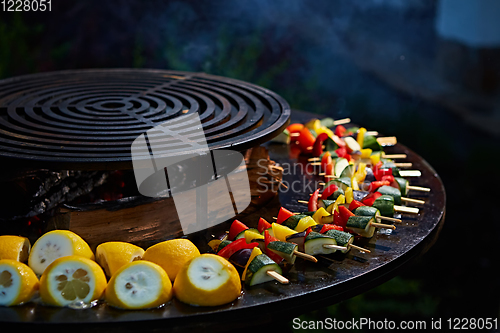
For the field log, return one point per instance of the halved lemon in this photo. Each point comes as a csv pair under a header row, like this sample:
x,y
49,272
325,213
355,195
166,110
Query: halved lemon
x,y
18,282
139,285
113,255
171,255
56,244
207,280
14,247
72,279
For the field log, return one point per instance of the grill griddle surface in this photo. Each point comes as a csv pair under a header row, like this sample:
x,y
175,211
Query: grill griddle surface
x,y
87,119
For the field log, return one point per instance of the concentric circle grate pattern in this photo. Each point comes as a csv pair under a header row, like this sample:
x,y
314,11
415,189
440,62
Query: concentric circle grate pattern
x,y
87,119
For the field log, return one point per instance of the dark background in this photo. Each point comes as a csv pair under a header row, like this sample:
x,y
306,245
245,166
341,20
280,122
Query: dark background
x,y
381,63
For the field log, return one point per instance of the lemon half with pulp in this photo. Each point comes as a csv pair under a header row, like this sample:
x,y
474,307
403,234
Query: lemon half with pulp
x,y
139,285
18,282
72,279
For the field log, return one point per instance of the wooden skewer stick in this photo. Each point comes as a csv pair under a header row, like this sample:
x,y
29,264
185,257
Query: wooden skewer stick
x,y
359,248
372,133
342,121
418,188
322,183
278,277
386,218
330,176
417,201
404,209
336,247
315,163
305,256
283,184
313,159
343,248
387,141
303,201
394,156
295,134
410,173
384,226
276,167
403,165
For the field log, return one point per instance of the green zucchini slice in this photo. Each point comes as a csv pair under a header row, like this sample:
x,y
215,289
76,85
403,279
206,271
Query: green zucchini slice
x,y
342,238
257,270
284,250
361,225
293,220
403,185
340,164
385,204
371,142
367,211
392,191
314,241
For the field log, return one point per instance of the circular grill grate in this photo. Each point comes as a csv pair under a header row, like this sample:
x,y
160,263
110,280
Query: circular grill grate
x,y
87,119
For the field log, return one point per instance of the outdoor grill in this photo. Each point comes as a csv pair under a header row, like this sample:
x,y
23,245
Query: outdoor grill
x,y
65,146
87,119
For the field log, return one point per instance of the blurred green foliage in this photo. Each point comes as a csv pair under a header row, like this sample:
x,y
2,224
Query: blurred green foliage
x,y
398,298
17,52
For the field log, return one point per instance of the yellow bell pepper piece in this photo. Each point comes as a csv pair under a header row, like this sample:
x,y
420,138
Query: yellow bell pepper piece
x,y
365,153
349,195
361,136
340,200
354,183
375,158
319,214
314,124
324,129
251,235
305,223
280,231
255,252
360,174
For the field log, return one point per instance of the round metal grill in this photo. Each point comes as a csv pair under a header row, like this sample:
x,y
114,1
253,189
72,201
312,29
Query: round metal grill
x,y
88,119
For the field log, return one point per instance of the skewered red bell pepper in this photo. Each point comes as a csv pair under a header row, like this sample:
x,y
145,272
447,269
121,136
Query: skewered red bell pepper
x,y
306,140
336,218
239,244
283,214
263,225
330,226
370,198
327,163
376,184
318,144
344,215
379,173
339,131
329,190
342,152
268,239
297,127
235,229
312,206
355,204
389,178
